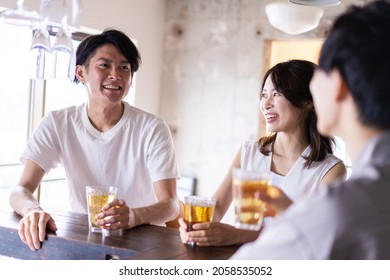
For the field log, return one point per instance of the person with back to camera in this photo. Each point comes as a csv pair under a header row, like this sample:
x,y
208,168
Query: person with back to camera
x,y
346,220
103,142
298,158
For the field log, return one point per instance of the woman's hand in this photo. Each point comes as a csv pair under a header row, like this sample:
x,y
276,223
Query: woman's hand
x,y
115,215
276,200
215,234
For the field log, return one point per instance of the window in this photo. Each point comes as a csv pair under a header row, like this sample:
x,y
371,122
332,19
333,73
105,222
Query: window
x,y
14,104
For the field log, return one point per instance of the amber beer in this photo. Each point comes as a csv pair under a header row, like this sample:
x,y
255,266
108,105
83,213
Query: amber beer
x,y
97,197
249,211
198,209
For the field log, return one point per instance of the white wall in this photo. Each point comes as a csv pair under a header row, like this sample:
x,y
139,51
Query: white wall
x,y
142,20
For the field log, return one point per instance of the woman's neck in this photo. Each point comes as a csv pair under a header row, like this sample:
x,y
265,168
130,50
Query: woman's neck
x,y
289,146
287,150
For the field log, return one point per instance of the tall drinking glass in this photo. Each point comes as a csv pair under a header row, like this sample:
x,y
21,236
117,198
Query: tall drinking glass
x,y
64,56
97,197
41,56
249,210
198,209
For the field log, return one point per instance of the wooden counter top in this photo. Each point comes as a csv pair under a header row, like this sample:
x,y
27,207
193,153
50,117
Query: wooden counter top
x,y
73,241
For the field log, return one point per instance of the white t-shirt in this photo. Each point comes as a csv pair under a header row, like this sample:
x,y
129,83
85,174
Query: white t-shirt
x,y
135,153
299,181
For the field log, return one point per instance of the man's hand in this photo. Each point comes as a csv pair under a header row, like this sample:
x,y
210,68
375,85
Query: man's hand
x,y
115,215
32,228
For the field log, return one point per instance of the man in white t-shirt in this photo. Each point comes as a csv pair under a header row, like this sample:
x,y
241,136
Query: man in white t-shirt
x,y
103,142
351,93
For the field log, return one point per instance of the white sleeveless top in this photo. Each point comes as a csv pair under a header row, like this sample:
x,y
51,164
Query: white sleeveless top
x,y
299,181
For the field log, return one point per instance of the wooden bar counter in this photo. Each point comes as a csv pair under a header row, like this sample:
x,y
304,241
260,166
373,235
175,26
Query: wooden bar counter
x,y
73,241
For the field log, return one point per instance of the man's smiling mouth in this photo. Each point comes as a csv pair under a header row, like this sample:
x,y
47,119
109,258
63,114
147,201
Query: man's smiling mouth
x,y
112,87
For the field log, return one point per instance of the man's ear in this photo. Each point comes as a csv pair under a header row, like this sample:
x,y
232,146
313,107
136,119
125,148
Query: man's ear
x,y
80,73
341,88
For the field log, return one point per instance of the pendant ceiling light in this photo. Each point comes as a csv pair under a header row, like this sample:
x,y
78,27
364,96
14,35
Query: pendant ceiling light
x,y
293,19
315,2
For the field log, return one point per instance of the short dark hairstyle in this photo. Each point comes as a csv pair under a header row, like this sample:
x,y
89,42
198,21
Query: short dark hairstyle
x,y
358,45
120,40
292,79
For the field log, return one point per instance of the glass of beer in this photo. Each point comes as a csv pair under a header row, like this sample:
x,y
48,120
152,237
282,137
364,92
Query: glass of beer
x,y
249,210
198,209
97,197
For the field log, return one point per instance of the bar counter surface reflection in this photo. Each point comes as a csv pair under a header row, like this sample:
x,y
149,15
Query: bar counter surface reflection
x,y
73,241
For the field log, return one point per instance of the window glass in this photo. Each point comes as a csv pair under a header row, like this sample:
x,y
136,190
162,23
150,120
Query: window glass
x,y
14,100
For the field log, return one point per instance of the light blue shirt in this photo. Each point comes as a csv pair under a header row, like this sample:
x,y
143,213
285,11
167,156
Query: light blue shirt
x,y
347,220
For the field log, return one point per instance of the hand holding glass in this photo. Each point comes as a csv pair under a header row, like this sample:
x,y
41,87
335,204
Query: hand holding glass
x,y
97,197
249,210
198,209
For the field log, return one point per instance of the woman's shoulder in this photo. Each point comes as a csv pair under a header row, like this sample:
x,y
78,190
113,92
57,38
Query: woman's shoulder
x,y
251,157
325,165
249,144
253,144
250,147
332,159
